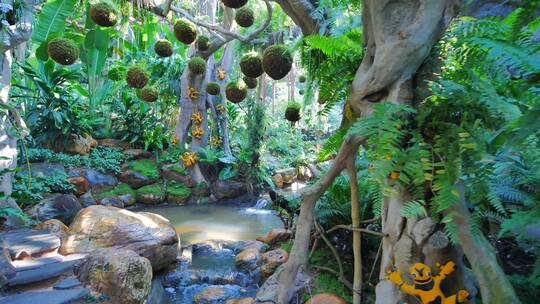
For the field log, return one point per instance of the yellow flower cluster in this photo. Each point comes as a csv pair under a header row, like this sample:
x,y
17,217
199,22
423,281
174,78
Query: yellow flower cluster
x,y
174,140
221,108
196,118
193,93
189,159
221,74
197,132
215,141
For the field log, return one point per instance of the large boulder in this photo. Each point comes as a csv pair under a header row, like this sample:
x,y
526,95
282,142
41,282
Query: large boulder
x,y
62,207
80,183
98,181
326,298
148,234
177,193
275,236
78,144
139,173
174,172
211,295
228,189
248,259
271,260
123,275
7,270
55,227
151,194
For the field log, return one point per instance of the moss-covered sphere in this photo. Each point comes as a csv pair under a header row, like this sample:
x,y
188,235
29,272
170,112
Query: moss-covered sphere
x,y
234,3
302,78
103,14
277,61
149,94
251,65
301,92
136,77
236,91
251,83
197,65
185,31
292,113
164,48
213,88
203,43
64,51
244,17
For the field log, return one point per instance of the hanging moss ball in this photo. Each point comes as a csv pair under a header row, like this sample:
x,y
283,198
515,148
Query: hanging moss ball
x,y
234,3
236,91
62,50
163,48
136,77
277,61
185,31
251,65
103,14
301,92
197,65
244,17
213,88
292,113
149,94
251,83
203,43
302,78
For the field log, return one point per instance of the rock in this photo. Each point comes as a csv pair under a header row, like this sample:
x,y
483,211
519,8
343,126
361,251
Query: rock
x,y
326,298
304,173
275,236
240,301
139,173
201,190
278,180
176,173
7,270
158,294
112,201
12,217
80,183
248,259
113,143
260,246
288,174
138,153
211,295
177,193
121,195
47,297
78,144
55,227
98,181
271,260
121,274
151,194
67,283
25,242
43,169
87,199
62,207
47,271
228,189
148,234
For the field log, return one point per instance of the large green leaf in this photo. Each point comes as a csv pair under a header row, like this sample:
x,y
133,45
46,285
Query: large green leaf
x,y
52,19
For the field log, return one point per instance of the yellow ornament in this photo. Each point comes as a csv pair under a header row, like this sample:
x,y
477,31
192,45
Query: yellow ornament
x,y
174,140
221,74
197,132
189,159
196,118
215,141
221,108
193,93
348,111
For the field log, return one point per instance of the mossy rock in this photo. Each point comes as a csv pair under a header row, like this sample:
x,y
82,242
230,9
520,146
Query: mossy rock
x,y
236,91
292,113
177,193
185,31
244,17
163,48
251,82
103,14
151,194
302,78
203,43
197,65
277,61
147,167
149,94
64,51
213,88
251,65
234,3
122,191
137,77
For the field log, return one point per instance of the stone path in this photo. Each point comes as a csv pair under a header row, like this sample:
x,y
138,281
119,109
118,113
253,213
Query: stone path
x,y
35,259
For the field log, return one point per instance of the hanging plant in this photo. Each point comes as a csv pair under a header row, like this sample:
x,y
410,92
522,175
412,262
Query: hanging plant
x,y
213,88
104,14
251,65
292,113
234,3
302,78
185,31
301,92
244,17
250,82
203,43
64,51
149,94
236,91
277,61
221,109
193,94
196,118
163,48
189,159
221,74
197,132
136,77
197,65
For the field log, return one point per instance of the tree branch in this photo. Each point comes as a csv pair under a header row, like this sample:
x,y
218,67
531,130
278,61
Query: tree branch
x,y
348,227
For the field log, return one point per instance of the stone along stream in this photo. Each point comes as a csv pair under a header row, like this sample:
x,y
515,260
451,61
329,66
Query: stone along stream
x,y
211,236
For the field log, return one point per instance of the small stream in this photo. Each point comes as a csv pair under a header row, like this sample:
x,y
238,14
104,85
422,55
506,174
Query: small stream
x,y
213,235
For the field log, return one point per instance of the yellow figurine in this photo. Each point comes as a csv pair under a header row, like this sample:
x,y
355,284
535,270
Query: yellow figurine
x,y
427,287
221,74
193,93
189,159
196,118
221,108
197,132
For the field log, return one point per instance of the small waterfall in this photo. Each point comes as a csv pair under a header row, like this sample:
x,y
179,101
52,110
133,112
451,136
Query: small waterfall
x,y
259,208
261,203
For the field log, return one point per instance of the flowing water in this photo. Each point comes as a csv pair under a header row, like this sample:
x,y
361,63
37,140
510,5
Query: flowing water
x,y
214,234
